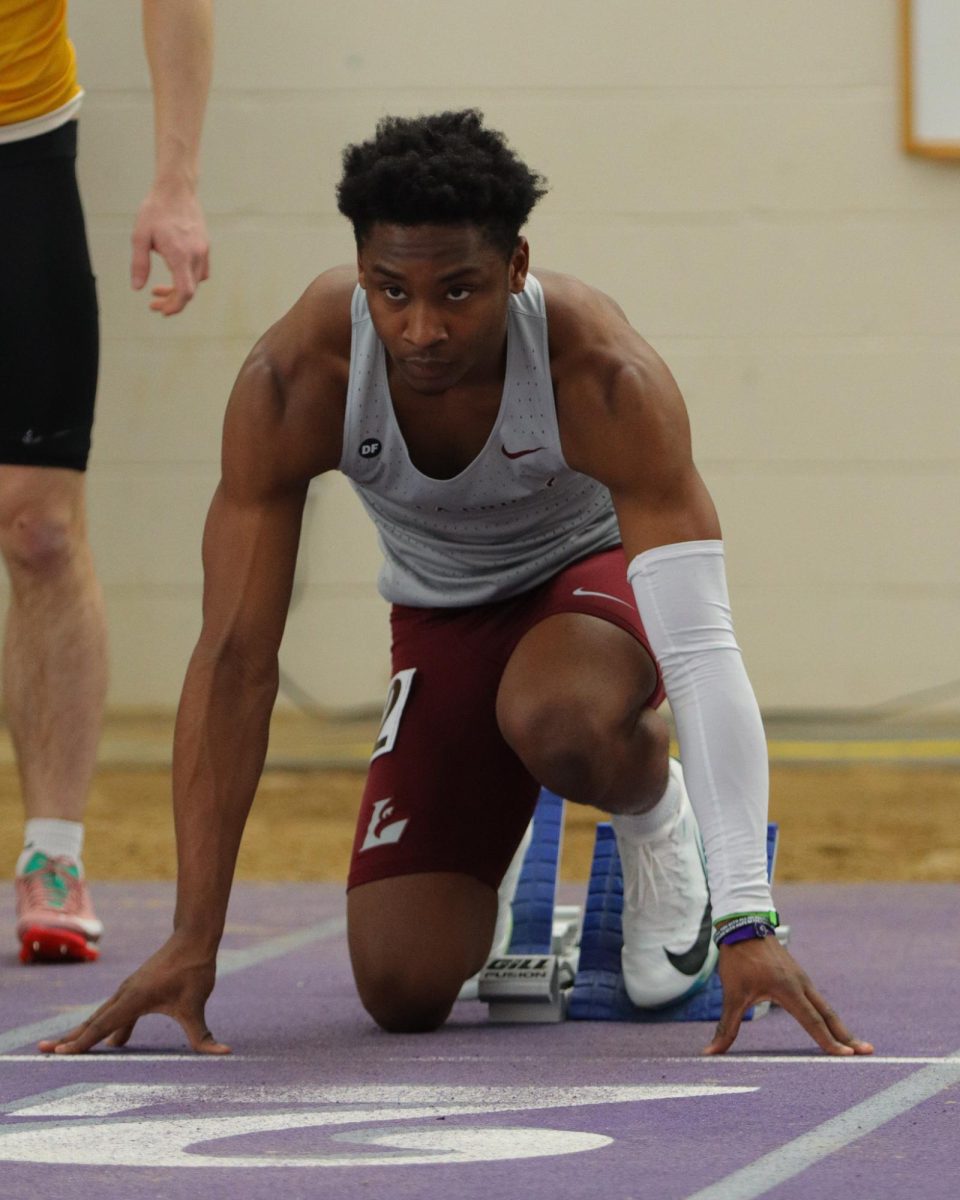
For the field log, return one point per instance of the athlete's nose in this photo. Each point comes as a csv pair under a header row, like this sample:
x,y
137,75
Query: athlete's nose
x,y
424,327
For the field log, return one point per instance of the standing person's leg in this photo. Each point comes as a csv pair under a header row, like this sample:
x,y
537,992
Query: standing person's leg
x,y
55,652
54,685
55,649
576,703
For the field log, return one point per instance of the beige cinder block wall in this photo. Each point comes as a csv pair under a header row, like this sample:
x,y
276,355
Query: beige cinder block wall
x,y
730,172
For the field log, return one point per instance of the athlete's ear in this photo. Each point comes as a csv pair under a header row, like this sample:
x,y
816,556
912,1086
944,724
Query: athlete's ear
x,y
361,274
519,265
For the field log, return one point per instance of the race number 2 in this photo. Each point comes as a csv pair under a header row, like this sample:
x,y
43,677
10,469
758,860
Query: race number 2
x,y
397,695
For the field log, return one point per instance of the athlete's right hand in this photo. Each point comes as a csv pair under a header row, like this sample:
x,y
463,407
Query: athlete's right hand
x,y
175,981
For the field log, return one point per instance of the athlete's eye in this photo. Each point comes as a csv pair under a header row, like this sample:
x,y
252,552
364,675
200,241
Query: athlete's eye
x,y
458,293
393,291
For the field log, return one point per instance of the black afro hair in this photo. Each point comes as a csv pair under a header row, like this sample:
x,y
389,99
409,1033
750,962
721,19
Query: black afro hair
x,y
444,169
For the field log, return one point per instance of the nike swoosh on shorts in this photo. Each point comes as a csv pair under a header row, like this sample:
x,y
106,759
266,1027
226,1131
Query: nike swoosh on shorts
x,y
604,595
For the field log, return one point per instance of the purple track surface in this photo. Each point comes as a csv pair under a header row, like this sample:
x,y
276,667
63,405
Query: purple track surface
x,y
315,1101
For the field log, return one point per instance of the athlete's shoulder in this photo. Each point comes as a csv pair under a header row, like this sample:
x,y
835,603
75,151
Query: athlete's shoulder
x,y
614,393
567,295
591,338
313,338
288,403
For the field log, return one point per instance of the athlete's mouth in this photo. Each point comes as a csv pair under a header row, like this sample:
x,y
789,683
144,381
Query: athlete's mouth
x,y
426,366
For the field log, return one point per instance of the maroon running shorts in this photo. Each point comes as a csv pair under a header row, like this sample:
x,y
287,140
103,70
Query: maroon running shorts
x,y
445,792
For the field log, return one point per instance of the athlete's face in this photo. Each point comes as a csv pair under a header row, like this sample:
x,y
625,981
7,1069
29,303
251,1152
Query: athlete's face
x,y
438,299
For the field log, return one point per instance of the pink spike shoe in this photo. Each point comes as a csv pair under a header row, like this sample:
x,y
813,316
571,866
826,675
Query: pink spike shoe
x,y
55,918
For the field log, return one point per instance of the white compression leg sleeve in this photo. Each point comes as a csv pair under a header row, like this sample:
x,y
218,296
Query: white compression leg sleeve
x,y
681,593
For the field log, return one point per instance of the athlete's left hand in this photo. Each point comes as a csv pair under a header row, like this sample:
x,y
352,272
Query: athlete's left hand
x,y
762,969
170,223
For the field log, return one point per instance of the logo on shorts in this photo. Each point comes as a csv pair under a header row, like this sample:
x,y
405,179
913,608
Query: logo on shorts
x,y
581,591
370,448
382,831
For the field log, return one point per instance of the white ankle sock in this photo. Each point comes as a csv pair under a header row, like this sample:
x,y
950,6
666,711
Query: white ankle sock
x,y
53,837
643,826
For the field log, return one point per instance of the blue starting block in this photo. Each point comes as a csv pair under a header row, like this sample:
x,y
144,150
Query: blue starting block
x,y
536,894
599,993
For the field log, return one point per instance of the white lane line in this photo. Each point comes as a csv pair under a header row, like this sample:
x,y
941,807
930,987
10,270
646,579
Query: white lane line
x,y
228,961
793,1158
835,1060
128,1059
721,1061
131,1058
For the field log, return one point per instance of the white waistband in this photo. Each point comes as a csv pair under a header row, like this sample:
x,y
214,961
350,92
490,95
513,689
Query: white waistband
x,y
21,130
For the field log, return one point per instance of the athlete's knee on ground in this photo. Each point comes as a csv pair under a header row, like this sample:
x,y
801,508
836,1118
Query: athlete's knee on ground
x,y
405,999
413,941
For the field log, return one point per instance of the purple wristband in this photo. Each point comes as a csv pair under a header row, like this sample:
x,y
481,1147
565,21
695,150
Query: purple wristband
x,y
743,933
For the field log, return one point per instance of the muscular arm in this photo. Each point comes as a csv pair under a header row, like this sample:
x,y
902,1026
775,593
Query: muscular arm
x,y
283,427
249,551
626,425
622,421
178,36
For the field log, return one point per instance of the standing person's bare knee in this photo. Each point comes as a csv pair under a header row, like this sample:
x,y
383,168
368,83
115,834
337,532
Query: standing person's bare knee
x,y
42,529
38,545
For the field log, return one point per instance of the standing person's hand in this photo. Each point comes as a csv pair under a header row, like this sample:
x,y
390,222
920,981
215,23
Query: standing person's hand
x,y
170,223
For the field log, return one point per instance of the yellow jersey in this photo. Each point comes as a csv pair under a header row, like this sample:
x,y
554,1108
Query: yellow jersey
x,y
38,68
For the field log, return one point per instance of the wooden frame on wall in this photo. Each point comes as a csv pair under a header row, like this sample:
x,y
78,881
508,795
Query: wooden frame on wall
x,y
930,47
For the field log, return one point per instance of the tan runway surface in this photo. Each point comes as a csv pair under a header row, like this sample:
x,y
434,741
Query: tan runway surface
x,y
855,815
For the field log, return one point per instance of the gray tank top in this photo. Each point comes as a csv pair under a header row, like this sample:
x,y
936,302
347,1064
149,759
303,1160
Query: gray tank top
x,y
511,519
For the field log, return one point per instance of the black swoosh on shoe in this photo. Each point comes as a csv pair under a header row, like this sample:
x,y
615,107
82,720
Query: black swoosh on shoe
x,y
691,961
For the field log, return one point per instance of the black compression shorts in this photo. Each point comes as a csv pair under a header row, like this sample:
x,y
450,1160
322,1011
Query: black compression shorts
x,y
49,325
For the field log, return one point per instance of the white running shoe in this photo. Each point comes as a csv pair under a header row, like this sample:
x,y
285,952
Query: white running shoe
x,y
668,949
